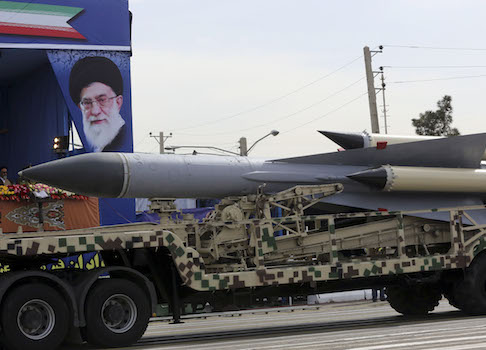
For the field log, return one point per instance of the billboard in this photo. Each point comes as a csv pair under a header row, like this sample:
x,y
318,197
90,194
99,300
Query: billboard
x,y
87,43
65,24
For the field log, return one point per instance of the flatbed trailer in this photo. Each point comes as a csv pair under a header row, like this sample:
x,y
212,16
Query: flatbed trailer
x,y
106,282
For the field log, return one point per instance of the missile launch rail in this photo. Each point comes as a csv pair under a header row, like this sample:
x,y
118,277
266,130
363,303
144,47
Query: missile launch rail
x,y
106,282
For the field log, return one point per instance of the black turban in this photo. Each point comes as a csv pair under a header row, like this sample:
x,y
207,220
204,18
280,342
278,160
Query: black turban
x,y
94,69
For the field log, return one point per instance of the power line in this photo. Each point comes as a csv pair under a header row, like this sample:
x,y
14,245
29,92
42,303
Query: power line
x,y
274,100
308,107
431,67
315,119
325,115
437,48
437,79
280,119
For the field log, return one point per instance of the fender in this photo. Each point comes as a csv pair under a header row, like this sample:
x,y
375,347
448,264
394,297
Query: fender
x,y
90,279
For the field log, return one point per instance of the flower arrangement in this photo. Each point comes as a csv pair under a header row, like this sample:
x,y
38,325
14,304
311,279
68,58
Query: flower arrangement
x,y
28,191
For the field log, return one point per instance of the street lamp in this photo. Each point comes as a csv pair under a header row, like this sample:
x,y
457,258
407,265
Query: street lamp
x,y
173,148
273,133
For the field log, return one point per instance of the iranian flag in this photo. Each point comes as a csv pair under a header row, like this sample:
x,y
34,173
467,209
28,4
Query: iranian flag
x,y
22,18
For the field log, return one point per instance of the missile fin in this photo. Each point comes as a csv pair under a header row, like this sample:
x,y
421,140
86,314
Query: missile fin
x,y
452,152
278,176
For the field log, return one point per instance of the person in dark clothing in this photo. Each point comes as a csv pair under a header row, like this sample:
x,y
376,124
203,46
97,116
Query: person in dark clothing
x,y
4,176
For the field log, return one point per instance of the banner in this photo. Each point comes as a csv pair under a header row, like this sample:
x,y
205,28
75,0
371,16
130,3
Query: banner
x,y
96,87
65,24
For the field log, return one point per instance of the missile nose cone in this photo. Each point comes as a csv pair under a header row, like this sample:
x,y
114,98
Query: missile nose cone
x,y
376,178
345,140
93,174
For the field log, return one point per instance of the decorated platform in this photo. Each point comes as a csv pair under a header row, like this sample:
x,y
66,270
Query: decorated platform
x,y
38,207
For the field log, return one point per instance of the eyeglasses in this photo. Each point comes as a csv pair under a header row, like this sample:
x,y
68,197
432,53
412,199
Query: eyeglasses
x,y
102,102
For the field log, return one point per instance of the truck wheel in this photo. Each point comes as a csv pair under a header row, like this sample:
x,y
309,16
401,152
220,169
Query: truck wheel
x,y
34,317
416,300
450,294
470,293
117,313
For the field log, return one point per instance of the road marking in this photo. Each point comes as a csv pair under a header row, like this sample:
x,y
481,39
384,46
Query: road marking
x,y
418,343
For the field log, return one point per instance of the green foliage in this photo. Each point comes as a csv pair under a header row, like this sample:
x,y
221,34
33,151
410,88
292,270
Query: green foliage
x,y
436,123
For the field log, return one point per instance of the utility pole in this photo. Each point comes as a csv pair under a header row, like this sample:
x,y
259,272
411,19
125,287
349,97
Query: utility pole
x,y
161,140
370,79
383,85
243,146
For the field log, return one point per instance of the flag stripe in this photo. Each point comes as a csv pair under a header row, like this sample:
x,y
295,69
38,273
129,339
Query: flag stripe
x,y
53,10
34,19
22,29
65,47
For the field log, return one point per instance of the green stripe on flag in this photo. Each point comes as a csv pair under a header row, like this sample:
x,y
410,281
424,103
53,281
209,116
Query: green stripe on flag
x,y
40,9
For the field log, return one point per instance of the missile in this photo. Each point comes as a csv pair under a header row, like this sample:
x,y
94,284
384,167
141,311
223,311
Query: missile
x,y
424,179
132,175
391,178
364,139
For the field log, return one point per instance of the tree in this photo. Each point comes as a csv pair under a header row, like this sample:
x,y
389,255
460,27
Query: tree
x,y
436,123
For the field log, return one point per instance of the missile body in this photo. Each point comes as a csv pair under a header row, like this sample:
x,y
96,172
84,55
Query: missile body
x,y
423,179
364,139
138,175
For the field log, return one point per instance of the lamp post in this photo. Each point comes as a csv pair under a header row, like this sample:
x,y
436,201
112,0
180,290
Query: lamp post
x,y
245,152
173,148
243,145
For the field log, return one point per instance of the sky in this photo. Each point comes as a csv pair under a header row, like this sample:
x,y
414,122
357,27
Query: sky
x,y
212,71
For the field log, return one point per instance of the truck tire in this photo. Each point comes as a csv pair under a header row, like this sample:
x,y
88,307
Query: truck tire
x,y
450,294
117,313
34,317
470,293
417,300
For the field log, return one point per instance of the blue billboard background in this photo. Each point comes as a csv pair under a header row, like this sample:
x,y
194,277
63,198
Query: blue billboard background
x,y
35,107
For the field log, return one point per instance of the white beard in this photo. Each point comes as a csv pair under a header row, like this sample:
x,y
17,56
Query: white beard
x,y
101,135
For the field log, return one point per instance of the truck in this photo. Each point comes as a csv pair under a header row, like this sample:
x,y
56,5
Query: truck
x,y
105,283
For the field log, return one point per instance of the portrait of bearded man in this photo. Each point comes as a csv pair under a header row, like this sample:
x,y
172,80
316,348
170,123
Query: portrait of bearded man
x,y
96,87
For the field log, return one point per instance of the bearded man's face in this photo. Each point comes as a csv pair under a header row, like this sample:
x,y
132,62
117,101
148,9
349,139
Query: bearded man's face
x,y
100,107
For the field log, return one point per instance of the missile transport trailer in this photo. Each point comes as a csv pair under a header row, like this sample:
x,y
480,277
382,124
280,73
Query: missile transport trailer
x,y
248,247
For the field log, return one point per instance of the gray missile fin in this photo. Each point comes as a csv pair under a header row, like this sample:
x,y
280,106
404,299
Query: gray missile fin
x,y
452,152
280,177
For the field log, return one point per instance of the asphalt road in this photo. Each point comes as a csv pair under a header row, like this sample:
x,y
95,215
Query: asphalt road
x,y
356,326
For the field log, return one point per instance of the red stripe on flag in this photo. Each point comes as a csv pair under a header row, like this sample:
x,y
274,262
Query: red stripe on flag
x,y
55,32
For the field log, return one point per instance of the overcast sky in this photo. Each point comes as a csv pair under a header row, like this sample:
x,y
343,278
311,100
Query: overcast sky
x,y
212,71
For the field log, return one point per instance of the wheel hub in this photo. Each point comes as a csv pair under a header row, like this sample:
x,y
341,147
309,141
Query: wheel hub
x,y
31,319
114,313
36,319
119,313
